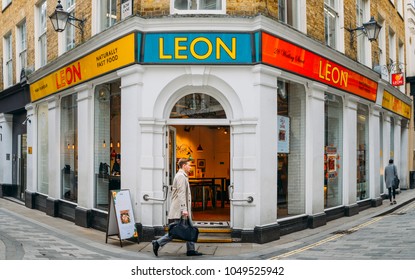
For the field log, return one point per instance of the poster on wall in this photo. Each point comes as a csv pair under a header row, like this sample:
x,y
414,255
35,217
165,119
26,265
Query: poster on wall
x,y
283,134
121,220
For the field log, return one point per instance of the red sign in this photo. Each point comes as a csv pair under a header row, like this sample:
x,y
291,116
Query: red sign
x,y
287,56
397,79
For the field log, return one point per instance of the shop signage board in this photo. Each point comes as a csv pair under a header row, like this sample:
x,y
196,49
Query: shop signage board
x,y
287,56
198,48
397,79
283,134
121,220
115,55
396,105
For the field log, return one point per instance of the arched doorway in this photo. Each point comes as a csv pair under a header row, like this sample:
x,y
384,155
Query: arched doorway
x,y
199,130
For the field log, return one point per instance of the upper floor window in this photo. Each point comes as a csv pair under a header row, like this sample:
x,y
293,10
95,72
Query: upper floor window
x,y
400,7
108,13
5,3
70,29
362,16
331,17
21,48
289,11
8,61
197,6
41,50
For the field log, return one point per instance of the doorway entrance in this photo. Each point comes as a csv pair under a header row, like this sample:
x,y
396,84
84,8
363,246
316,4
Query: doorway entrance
x,y
208,148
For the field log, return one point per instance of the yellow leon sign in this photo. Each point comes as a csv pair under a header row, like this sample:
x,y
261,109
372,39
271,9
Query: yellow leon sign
x,y
396,105
113,56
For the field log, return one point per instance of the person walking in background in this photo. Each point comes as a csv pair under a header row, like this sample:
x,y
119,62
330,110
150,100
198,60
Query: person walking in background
x,y
390,175
181,203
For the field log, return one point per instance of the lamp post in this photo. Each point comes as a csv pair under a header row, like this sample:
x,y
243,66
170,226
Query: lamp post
x,y
60,18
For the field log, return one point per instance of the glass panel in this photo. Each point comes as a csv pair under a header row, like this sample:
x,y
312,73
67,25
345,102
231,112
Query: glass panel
x,y
69,148
43,152
362,152
107,163
291,150
333,153
197,106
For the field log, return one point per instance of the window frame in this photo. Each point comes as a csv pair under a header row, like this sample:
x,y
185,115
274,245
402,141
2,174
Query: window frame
x,y
21,48
40,35
334,10
221,11
8,60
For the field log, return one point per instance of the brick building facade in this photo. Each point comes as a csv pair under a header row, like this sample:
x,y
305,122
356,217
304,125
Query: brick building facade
x,y
157,80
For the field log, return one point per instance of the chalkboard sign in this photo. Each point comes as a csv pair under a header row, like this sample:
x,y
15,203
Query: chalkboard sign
x,y
121,220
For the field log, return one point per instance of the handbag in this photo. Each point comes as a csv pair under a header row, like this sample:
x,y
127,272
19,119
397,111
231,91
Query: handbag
x,y
183,230
396,182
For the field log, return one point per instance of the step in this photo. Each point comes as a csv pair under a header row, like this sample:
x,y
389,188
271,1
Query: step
x,y
212,232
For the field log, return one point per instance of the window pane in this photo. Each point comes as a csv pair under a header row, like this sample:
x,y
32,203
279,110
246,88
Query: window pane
x,y
197,106
43,151
69,148
333,153
362,152
107,162
291,154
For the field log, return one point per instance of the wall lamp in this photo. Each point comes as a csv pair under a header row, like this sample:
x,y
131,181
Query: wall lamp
x,y
371,29
60,18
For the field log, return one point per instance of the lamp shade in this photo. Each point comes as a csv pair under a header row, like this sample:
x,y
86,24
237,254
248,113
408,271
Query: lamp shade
x,y
372,29
59,18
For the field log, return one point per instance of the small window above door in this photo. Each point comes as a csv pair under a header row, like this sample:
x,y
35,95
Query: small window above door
x,y
198,106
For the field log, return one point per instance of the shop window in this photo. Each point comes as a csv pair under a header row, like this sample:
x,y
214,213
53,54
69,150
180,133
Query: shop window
x,y
69,148
291,149
107,124
198,106
43,150
382,186
362,152
198,6
392,139
333,150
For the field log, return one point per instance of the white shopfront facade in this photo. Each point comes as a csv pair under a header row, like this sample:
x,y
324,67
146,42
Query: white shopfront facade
x,y
288,189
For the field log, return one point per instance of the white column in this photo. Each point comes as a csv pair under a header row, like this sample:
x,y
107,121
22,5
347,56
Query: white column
x,y
397,147
264,190
131,94
315,150
403,176
86,188
374,152
350,152
245,163
386,142
6,141
31,184
54,148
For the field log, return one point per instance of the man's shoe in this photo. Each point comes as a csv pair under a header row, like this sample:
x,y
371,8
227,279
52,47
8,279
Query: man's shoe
x,y
156,247
391,203
193,253
394,202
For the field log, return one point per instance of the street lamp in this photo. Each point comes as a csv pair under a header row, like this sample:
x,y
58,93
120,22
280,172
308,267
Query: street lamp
x,y
60,18
371,29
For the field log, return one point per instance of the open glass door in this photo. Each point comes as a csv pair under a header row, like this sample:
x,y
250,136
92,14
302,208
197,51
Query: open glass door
x,y
170,166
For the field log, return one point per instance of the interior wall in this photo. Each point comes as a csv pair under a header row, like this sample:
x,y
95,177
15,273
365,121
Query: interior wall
x,y
215,142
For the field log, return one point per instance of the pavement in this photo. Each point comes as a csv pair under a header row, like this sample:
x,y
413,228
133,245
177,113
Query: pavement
x,y
31,234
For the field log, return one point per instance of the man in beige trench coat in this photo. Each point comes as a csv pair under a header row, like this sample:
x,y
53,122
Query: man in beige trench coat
x,y
181,203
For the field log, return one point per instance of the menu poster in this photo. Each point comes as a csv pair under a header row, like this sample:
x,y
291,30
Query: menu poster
x,y
283,134
121,220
